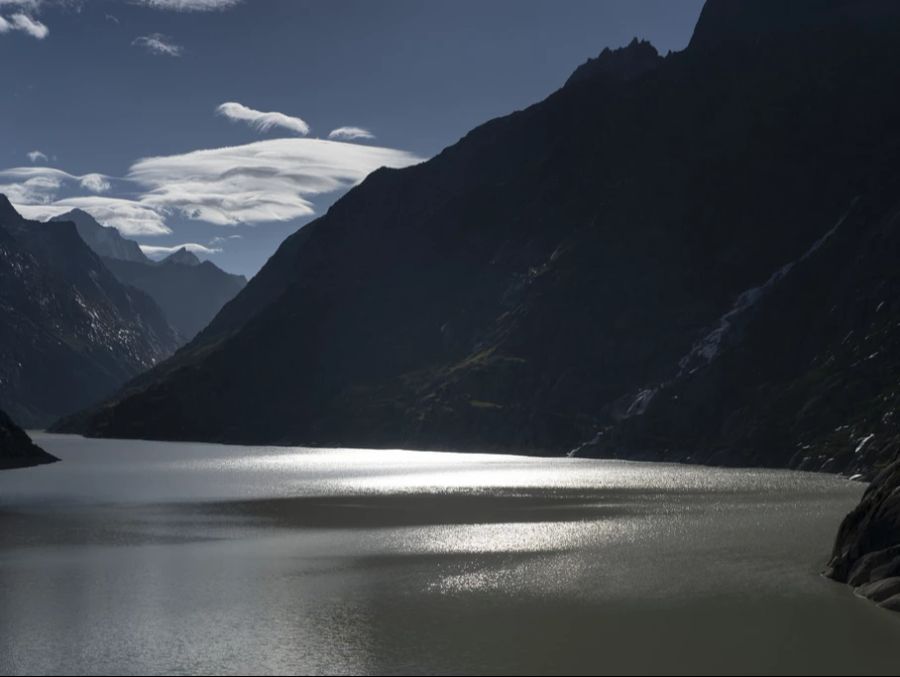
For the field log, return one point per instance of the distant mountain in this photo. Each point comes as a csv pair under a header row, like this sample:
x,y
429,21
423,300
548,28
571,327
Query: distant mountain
x,y
182,257
70,332
685,258
189,291
16,448
105,241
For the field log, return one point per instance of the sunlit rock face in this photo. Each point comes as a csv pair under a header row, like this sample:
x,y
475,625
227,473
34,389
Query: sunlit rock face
x,y
867,552
70,332
16,448
690,256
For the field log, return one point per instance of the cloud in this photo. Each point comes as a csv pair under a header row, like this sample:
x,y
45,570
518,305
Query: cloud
x,y
350,133
35,192
26,24
263,122
129,217
265,181
158,252
157,43
23,23
36,155
258,182
190,5
42,184
95,183
219,239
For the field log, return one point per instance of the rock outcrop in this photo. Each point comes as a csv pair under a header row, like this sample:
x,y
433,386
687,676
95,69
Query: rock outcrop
x,y
867,552
16,448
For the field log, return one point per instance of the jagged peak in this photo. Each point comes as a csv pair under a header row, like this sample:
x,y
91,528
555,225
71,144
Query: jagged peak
x,y
624,63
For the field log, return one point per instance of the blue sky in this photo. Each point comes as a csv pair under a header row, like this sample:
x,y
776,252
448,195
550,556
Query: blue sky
x,y
99,86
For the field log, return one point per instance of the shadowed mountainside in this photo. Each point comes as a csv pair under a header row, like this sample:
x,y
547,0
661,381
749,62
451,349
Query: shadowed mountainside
x,y
71,332
190,292
638,258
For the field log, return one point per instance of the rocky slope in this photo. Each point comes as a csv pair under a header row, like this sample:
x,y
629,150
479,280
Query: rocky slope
x,y
674,224
70,333
16,448
104,241
190,292
867,551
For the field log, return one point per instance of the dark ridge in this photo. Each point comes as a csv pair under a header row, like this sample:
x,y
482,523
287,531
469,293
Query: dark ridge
x,y
625,63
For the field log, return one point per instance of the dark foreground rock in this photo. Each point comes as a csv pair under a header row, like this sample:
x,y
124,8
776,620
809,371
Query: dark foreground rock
x,y
16,448
867,552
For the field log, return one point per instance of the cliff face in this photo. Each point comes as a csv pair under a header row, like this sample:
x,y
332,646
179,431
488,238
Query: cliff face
x,y
867,552
16,448
640,257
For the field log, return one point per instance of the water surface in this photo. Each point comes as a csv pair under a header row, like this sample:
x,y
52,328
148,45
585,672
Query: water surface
x,y
135,557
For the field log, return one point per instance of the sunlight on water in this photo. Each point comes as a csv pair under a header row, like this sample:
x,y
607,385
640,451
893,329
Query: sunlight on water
x,y
142,556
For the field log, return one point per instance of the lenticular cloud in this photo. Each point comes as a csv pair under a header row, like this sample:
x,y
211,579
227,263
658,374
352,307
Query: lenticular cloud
x,y
258,182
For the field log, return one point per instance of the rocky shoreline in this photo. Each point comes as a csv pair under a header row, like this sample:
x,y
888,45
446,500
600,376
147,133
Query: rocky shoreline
x,y
867,551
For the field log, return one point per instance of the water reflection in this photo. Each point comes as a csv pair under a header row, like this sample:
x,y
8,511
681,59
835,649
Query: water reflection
x,y
135,557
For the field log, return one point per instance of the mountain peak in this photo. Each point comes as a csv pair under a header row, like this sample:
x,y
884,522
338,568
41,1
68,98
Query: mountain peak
x,y
624,63
104,240
183,257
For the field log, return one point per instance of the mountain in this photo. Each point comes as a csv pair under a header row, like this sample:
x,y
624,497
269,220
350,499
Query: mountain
x,y
16,448
867,551
182,257
105,241
70,333
691,256
189,291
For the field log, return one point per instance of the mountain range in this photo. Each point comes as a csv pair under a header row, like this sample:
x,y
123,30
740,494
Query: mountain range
x,y
686,258
71,332
190,292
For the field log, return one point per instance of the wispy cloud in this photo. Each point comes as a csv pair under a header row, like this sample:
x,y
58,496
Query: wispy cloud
x,y
258,182
157,43
159,252
262,121
41,185
129,217
23,23
350,133
41,193
265,181
190,5
36,156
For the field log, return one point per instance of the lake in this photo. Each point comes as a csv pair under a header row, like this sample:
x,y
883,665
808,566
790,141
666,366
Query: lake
x,y
133,557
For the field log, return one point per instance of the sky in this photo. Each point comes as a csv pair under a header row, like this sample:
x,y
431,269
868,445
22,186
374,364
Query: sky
x,y
226,125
